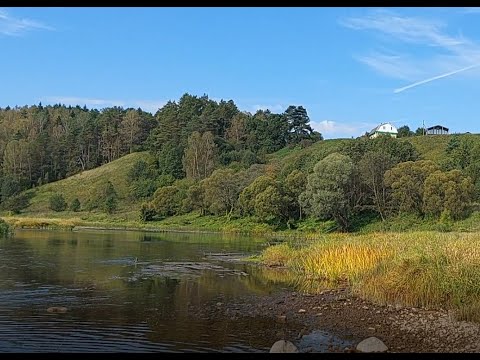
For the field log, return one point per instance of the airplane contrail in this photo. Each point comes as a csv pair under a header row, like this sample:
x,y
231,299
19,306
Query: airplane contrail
x,y
434,78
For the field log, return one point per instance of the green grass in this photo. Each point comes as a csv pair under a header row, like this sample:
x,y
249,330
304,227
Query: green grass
x,y
194,222
421,269
431,147
410,222
87,186
188,222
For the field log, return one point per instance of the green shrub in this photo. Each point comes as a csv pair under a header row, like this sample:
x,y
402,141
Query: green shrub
x,y
143,188
16,203
57,202
5,229
445,224
91,204
147,212
110,204
75,205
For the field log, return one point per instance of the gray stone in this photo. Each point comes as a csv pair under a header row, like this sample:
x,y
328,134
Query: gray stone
x,y
372,344
283,346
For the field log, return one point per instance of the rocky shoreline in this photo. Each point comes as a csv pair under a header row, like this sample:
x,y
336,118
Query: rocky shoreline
x,y
338,321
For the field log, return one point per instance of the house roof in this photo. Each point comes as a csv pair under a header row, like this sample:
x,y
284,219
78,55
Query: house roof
x,y
437,127
378,127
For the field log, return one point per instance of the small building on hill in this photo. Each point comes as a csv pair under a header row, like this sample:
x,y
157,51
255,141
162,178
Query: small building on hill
x,y
437,130
383,129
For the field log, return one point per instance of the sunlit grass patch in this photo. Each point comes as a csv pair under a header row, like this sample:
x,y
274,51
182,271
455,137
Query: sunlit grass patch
x,y
422,269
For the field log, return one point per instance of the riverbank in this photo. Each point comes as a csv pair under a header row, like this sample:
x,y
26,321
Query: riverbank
x,y
189,223
340,315
422,269
128,219
77,224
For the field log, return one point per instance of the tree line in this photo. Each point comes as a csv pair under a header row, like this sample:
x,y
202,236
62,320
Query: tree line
x,y
381,177
189,138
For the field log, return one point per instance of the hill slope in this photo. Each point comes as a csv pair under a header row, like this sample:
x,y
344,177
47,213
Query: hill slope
x,y
432,147
428,147
88,185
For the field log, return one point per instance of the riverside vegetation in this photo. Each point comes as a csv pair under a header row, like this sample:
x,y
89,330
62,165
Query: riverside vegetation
x,y
417,269
395,209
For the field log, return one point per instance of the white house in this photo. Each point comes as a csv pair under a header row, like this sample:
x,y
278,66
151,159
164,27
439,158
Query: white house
x,y
383,129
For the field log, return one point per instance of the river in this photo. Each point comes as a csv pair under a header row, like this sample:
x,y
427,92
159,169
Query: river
x,y
127,292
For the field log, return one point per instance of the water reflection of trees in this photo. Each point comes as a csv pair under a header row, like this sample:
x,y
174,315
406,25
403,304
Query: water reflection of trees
x,y
111,294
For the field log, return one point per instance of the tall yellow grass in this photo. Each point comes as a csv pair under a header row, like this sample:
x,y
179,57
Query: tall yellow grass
x,y
423,269
40,223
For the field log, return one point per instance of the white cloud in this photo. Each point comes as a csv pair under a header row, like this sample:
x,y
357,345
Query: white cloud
x,y
89,102
451,53
333,129
12,26
274,108
146,105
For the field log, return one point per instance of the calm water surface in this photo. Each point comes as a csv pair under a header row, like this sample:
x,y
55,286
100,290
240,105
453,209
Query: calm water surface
x,y
118,304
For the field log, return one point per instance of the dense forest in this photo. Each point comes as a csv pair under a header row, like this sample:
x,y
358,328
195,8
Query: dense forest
x,y
213,159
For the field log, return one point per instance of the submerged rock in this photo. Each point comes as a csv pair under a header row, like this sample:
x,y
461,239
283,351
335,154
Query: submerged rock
x,y
283,346
372,344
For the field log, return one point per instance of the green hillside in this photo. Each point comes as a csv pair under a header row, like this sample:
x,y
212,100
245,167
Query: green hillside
x,y
88,185
304,159
432,147
428,147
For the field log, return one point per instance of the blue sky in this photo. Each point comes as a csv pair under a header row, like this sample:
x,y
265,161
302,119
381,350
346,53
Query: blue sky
x,y
351,68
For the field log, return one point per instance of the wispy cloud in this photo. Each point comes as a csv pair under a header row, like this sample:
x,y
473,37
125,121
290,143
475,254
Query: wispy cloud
x,y
408,29
13,26
449,54
333,129
398,66
146,105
